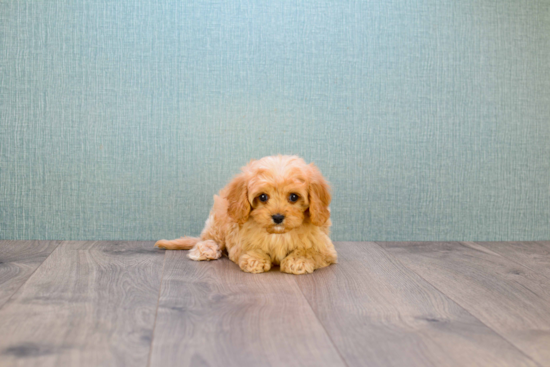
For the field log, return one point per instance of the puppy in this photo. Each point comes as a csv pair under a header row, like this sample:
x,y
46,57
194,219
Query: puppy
x,y
275,212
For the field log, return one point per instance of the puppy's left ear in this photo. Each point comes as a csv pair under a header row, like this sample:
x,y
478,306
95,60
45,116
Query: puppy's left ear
x,y
319,197
239,207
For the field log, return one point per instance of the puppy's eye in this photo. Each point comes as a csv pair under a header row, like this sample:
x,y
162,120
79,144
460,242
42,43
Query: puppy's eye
x,y
293,198
263,198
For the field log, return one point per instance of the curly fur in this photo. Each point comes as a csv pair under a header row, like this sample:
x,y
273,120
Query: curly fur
x,y
241,225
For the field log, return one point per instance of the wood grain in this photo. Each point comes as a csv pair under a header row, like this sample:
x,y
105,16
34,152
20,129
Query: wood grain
x,y
379,313
444,304
511,299
213,314
88,304
532,255
18,260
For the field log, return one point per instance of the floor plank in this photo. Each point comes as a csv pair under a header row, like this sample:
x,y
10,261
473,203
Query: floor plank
x,y
88,304
511,299
94,303
18,260
379,313
532,255
213,314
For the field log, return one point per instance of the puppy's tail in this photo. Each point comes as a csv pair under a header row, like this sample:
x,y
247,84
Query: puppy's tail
x,y
184,243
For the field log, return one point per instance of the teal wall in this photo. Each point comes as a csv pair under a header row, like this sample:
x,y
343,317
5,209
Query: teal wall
x,y
120,119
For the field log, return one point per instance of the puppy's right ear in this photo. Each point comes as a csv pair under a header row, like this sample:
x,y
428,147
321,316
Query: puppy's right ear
x,y
237,197
319,197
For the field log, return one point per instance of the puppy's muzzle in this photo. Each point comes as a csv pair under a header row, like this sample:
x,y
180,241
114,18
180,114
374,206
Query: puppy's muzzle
x,y
278,218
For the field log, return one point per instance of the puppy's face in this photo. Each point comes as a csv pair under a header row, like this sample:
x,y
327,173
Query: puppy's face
x,y
278,202
279,194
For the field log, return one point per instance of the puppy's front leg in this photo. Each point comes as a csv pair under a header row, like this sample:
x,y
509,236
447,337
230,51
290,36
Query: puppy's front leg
x,y
302,261
298,262
255,261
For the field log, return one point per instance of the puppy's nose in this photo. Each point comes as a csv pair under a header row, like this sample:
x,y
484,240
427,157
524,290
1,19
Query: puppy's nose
x,y
278,218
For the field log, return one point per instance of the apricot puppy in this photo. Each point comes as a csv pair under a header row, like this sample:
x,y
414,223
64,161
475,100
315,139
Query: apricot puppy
x,y
275,212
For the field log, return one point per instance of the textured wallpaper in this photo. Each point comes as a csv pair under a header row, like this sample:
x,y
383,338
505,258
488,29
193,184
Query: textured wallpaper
x,y
120,119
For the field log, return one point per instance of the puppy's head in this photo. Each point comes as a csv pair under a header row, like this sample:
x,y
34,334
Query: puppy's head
x,y
279,193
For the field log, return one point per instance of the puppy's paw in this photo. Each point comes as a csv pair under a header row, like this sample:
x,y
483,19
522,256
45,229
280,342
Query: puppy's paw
x,y
297,265
205,250
253,264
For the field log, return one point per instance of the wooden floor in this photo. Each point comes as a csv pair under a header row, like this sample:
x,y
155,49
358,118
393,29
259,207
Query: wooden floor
x,y
383,304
